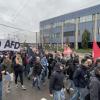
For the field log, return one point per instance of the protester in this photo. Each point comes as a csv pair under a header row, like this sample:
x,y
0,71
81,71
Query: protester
x,y
44,63
50,60
73,65
25,62
57,83
81,80
95,85
19,70
37,70
31,62
97,63
30,67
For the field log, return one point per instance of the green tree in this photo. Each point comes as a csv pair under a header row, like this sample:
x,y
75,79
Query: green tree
x,y
85,39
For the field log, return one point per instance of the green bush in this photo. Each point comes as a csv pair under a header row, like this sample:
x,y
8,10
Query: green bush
x,y
85,39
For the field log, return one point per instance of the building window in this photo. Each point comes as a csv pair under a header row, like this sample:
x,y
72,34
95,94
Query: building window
x,y
85,18
71,21
57,35
54,25
89,18
82,19
70,33
46,27
57,24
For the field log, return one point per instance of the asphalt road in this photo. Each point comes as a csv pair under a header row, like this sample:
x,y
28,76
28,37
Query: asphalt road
x,y
32,93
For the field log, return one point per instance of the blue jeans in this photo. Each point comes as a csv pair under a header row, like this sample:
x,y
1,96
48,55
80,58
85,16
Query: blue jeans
x,y
44,74
59,95
30,72
76,95
71,84
80,94
0,90
37,81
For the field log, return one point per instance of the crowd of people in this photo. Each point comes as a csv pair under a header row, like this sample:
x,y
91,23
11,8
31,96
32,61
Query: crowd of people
x,y
67,74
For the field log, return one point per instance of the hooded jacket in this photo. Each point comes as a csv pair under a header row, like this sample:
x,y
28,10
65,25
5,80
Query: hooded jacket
x,y
81,77
95,88
56,81
37,69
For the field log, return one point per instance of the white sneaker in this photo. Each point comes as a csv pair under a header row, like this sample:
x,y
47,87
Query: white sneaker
x,y
8,91
43,99
23,87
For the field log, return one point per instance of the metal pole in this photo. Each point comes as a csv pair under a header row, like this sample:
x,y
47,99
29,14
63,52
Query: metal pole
x,y
95,26
42,38
76,34
62,34
36,40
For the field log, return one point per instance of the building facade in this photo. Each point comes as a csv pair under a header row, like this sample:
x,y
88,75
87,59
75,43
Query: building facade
x,y
70,27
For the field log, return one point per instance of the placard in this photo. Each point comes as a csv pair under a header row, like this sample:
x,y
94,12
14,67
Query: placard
x,y
9,45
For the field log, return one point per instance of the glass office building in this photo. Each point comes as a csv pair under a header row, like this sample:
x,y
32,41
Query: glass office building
x,y
70,27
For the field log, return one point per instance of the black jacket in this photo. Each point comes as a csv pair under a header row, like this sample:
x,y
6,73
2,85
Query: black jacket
x,y
37,69
95,88
72,68
56,81
0,73
81,77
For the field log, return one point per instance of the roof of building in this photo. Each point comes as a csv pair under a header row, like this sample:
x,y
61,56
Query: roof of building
x,y
73,15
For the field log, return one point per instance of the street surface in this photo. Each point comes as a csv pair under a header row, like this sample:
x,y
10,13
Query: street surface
x,y
31,93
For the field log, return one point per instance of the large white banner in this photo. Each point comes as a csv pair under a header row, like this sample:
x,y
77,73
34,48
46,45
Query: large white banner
x,y
9,45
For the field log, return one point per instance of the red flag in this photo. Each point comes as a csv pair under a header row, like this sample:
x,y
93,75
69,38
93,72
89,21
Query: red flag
x,y
95,51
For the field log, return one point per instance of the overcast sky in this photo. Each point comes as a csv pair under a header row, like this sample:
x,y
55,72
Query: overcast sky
x,y
26,14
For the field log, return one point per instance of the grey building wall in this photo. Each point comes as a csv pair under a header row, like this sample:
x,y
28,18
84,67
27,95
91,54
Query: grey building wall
x,y
51,29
